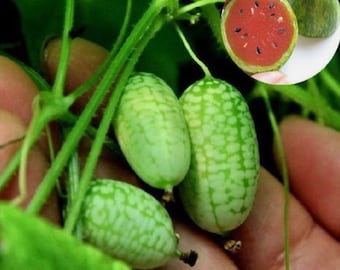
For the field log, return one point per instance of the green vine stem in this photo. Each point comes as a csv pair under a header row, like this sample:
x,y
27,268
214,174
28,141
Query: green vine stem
x,y
57,107
194,57
210,13
15,160
197,4
10,168
70,119
284,173
304,98
59,82
331,82
41,118
317,99
72,187
153,13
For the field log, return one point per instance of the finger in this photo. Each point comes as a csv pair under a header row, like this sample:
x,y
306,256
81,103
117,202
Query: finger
x,y
17,95
85,58
17,90
12,130
272,77
313,160
262,234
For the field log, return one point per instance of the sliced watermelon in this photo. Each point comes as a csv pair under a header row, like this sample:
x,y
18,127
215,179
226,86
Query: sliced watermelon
x,y
259,35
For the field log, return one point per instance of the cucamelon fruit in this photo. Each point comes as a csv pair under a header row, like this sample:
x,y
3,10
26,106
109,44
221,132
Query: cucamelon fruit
x,y
316,18
220,187
151,131
129,224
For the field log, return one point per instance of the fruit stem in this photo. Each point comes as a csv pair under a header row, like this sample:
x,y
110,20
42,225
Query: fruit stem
x,y
233,246
167,197
194,57
284,173
189,258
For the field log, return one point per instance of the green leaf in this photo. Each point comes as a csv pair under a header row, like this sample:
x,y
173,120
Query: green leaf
x,y
30,243
102,20
40,20
164,55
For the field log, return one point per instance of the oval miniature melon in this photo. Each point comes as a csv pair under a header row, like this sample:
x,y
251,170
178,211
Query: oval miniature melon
x,y
259,35
219,189
151,130
316,18
128,223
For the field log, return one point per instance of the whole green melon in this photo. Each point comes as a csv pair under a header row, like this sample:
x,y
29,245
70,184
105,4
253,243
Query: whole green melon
x,y
316,18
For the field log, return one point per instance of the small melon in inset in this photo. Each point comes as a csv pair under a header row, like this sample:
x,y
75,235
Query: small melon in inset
x,y
316,18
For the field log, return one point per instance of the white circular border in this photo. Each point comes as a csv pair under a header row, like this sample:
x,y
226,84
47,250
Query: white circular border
x,y
310,56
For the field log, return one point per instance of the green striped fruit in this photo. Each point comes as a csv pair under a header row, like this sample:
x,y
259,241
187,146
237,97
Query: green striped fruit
x,y
151,131
218,191
316,18
129,224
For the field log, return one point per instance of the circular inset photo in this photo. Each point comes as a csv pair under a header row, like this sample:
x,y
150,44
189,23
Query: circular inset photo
x,y
281,41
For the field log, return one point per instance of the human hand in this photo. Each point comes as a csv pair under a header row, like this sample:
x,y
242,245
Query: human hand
x,y
271,77
312,158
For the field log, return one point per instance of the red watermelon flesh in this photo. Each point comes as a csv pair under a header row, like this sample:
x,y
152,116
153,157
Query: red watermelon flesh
x,y
259,34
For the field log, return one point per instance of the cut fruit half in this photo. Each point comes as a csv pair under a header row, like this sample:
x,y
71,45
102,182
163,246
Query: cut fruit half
x,y
259,35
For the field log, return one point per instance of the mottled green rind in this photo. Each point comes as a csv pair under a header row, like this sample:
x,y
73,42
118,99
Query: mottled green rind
x,y
151,131
30,243
219,189
316,18
129,224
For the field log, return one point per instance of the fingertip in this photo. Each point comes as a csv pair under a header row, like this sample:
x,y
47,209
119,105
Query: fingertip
x,y
12,132
210,254
84,59
17,90
272,77
313,160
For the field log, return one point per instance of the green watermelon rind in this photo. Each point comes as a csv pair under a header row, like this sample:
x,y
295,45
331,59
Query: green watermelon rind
x,y
316,18
246,67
